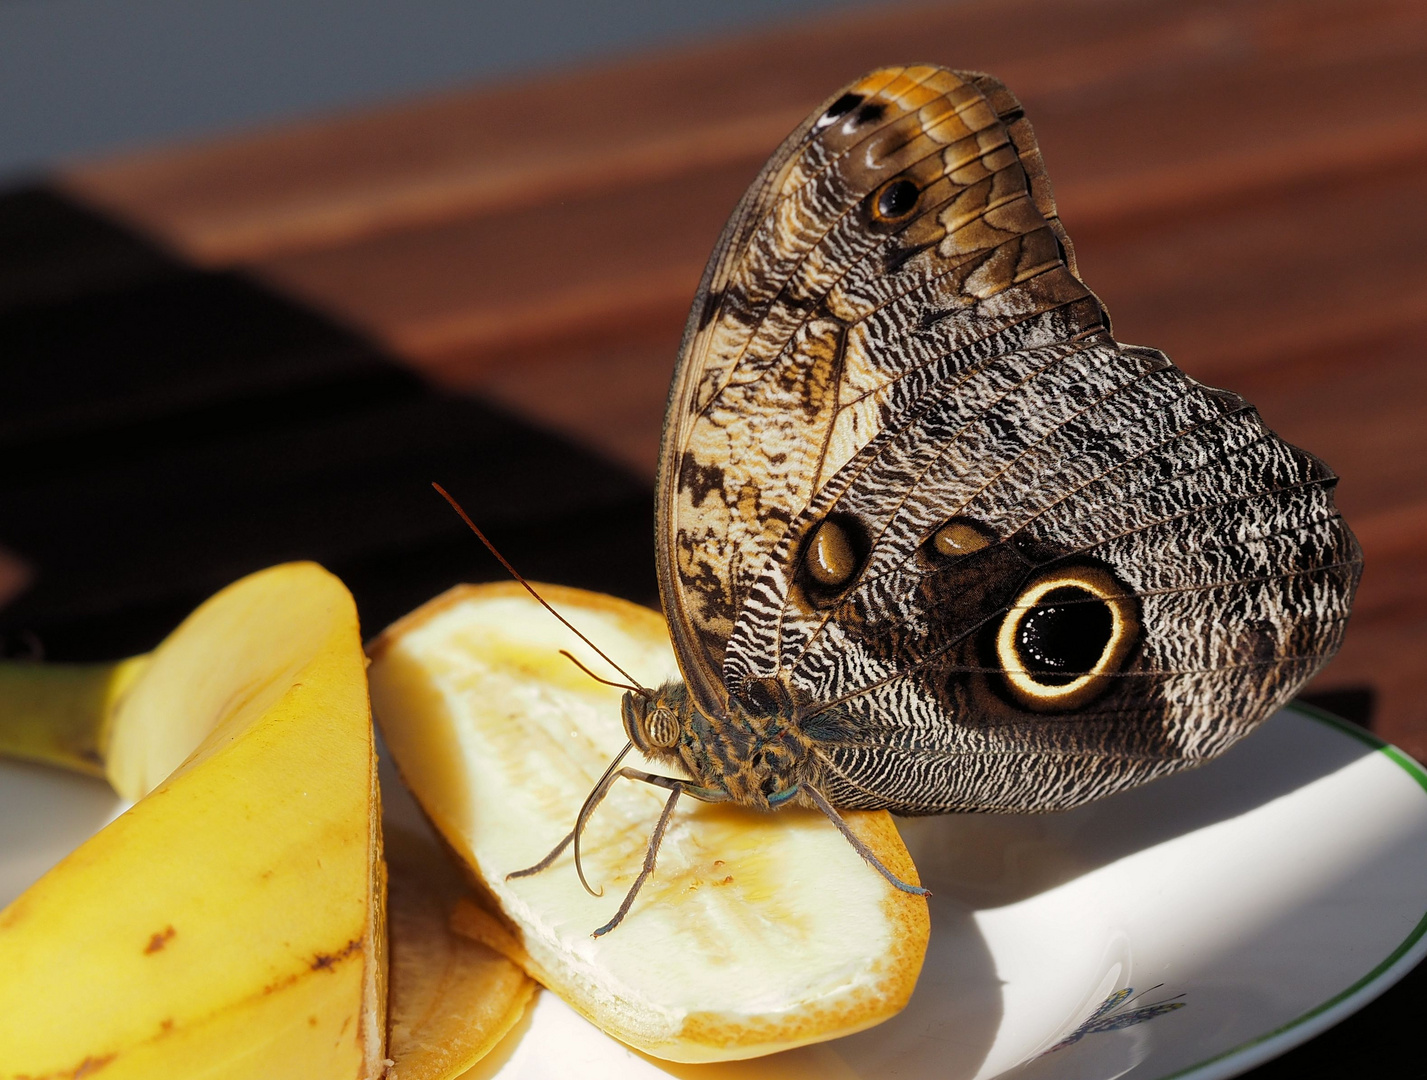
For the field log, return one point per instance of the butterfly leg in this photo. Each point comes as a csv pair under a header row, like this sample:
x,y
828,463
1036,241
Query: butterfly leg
x,y
545,862
858,846
595,797
676,788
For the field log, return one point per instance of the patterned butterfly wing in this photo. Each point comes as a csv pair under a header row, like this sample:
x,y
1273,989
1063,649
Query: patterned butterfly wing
x,y
999,560
788,360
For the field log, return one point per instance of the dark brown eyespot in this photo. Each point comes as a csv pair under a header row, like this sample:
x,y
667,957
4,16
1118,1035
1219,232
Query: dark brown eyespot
x,y
830,559
958,537
1066,635
873,110
896,199
833,553
839,108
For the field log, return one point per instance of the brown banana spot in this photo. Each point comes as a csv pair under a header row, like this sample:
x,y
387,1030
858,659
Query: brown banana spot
x,y
328,961
91,1065
159,940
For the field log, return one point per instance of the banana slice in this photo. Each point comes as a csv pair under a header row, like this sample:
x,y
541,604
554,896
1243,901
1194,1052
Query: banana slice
x,y
451,999
756,933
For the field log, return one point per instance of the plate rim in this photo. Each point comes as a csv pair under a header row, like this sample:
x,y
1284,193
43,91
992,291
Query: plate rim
x,y
1410,951
1382,976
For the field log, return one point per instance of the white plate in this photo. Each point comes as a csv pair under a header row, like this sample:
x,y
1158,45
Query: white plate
x,y
1246,906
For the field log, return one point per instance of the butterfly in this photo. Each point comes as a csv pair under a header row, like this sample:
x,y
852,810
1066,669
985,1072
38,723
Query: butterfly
x,y
1107,1018
929,538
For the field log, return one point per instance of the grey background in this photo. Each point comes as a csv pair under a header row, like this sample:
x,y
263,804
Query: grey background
x,y
81,77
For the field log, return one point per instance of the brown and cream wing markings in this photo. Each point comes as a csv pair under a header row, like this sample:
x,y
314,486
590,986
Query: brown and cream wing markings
x,y
1101,464
892,340
909,216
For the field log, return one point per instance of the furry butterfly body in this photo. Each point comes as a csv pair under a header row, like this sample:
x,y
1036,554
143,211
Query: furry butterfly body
x,y
930,539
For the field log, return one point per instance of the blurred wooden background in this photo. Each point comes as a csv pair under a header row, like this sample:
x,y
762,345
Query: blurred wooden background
x,y
1244,183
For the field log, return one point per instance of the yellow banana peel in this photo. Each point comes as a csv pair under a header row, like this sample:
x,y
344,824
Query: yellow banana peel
x,y
231,923
63,714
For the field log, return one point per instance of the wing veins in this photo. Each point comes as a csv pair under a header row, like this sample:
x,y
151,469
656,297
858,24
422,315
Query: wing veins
x,y
947,446
952,265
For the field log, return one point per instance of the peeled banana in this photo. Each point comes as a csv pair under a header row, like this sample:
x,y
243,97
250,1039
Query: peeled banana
x,y
756,933
231,923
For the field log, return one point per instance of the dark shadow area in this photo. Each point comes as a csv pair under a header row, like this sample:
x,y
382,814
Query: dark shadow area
x,y
166,429
989,860
1356,704
1381,1040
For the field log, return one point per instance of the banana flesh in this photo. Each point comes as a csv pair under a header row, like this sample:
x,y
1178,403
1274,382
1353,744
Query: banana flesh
x,y
756,933
451,999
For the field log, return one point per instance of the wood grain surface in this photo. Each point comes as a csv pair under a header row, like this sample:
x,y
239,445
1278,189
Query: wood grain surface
x,y
1243,181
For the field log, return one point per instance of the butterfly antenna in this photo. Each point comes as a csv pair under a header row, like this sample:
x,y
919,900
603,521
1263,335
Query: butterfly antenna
x,y
568,655
540,599
1167,1000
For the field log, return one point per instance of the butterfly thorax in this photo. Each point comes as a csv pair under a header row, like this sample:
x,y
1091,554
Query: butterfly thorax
x,y
752,753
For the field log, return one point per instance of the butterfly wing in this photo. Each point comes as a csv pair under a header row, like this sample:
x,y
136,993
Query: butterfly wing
x,y
1074,462
893,341
1104,1018
797,335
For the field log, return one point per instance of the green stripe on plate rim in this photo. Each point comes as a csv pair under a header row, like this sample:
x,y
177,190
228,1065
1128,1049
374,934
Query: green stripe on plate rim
x,y
1414,770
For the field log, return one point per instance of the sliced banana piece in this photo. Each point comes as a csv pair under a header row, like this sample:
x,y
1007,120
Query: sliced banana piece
x,y
450,998
757,932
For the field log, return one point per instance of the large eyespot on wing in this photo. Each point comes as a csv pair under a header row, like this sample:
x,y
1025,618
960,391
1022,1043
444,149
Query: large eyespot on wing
x,y
833,554
1065,637
898,233
893,335
1211,572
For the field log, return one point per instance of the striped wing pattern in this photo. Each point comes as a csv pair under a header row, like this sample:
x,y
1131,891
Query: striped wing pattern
x,y
895,370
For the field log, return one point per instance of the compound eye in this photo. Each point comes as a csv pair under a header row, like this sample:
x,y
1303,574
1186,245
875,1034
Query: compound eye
x,y
661,728
1065,637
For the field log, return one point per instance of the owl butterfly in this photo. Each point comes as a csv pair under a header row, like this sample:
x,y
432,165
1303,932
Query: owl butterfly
x,y
929,538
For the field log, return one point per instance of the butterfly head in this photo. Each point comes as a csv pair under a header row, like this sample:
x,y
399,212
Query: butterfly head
x,y
655,720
